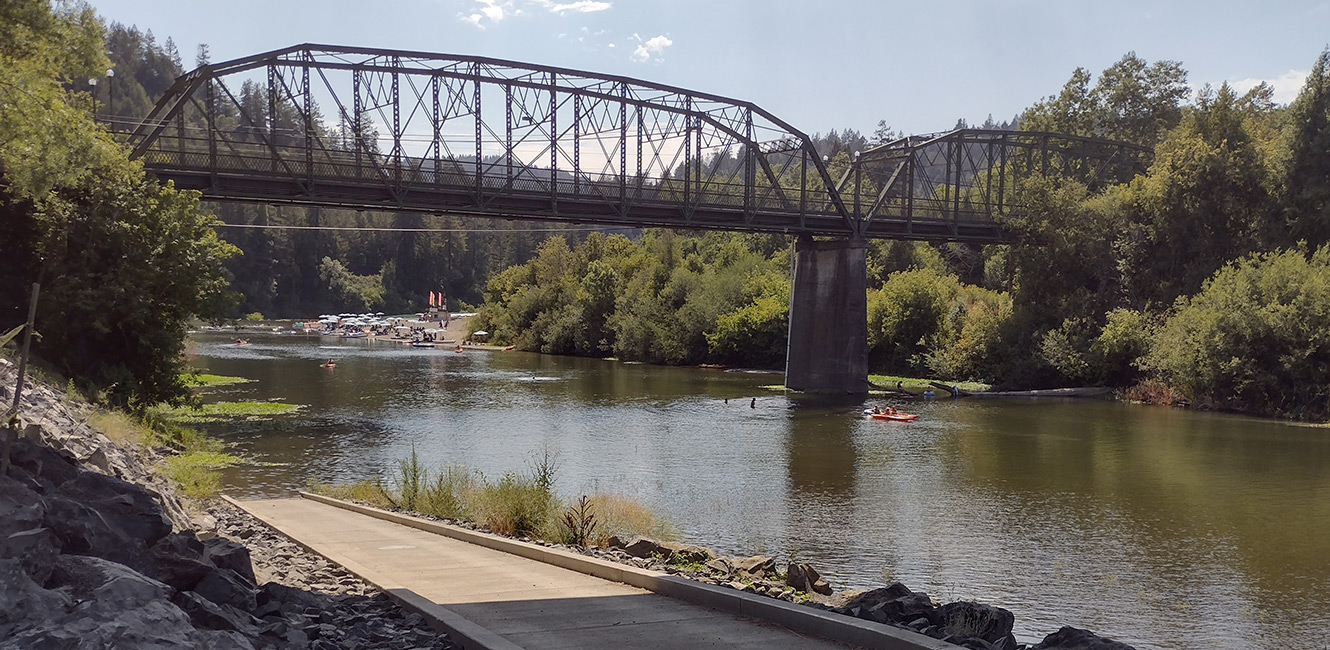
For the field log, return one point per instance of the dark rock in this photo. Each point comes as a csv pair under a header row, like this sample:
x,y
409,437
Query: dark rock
x,y
895,604
184,544
757,565
804,578
35,549
226,554
23,602
127,508
226,587
21,508
613,541
49,467
973,619
211,616
105,581
182,573
690,554
645,547
83,530
1070,638
721,565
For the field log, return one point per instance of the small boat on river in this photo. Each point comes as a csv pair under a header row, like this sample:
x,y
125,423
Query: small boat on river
x,y
422,344
895,417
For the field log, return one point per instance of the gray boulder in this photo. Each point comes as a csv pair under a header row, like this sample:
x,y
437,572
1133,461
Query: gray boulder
x,y
758,566
992,624
82,530
127,508
35,549
645,547
226,587
116,608
689,553
208,615
226,554
47,467
24,602
803,577
1071,638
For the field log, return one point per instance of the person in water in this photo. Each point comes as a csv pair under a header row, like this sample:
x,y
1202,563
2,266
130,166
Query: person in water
x,y
753,404
877,410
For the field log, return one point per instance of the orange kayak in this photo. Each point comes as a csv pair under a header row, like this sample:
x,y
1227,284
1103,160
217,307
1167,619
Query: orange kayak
x,y
898,417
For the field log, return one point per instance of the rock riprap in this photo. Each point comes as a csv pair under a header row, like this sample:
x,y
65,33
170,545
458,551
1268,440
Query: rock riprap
x,y
88,560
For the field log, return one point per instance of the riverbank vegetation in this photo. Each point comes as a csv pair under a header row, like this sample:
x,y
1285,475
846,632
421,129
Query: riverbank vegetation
x,y
1185,278
519,504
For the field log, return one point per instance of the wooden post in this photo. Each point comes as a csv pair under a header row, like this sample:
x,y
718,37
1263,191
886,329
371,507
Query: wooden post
x,y
11,430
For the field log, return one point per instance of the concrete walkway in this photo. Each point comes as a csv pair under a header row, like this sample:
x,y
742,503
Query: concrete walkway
x,y
496,600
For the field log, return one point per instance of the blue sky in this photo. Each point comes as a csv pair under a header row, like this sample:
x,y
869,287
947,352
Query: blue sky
x,y
817,64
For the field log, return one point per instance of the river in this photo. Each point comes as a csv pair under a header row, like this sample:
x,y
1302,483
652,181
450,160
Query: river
x,y
1162,528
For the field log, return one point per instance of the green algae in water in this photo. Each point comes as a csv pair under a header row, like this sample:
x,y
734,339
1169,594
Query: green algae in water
x,y
207,381
223,411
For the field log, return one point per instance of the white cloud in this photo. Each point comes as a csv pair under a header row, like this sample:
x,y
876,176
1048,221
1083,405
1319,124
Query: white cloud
x,y
580,7
653,47
493,10
1286,86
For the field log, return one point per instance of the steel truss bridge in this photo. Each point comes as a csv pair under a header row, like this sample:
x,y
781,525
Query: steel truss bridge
x,y
373,129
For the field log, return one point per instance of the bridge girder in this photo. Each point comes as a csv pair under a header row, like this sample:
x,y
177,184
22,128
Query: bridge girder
x,y
479,136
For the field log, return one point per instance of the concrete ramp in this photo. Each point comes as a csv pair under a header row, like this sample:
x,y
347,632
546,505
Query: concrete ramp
x,y
498,600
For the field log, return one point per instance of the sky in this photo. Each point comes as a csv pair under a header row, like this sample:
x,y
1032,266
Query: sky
x,y
817,64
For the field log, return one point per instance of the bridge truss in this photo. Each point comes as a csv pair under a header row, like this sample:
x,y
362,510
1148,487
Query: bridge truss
x,y
441,134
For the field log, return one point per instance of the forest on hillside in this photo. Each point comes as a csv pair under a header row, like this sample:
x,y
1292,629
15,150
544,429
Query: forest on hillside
x,y
1205,280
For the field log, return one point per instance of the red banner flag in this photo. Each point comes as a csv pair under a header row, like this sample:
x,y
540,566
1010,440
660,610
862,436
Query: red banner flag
x,y
431,299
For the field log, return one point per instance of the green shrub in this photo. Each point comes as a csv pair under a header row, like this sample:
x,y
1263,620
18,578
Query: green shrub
x,y
1254,339
907,317
444,494
627,518
254,316
515,505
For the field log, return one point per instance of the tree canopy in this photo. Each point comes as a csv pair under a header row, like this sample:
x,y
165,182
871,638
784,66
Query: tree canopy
x,y
124,262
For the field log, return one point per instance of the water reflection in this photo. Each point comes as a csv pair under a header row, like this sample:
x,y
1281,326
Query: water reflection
x,y
1164,528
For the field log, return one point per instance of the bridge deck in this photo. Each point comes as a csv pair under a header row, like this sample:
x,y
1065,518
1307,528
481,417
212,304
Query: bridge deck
x,y
500,601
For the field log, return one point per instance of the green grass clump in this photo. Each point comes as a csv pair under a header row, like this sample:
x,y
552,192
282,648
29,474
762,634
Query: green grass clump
x,y
368,492
224,411
917,385
515,505
627,518
204,380
518,504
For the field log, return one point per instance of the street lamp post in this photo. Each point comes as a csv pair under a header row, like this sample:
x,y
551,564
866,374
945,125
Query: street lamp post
x,y
110,97
92,92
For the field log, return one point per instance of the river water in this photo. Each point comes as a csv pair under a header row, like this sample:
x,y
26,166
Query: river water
x,y
1159,527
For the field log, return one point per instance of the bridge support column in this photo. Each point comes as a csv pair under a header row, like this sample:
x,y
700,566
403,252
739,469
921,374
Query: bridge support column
x,y
828,347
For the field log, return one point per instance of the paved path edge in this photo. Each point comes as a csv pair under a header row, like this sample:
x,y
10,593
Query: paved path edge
x,y
799,618
465,632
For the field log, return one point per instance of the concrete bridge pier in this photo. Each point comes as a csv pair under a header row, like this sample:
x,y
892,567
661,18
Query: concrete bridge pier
x,y
828,346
